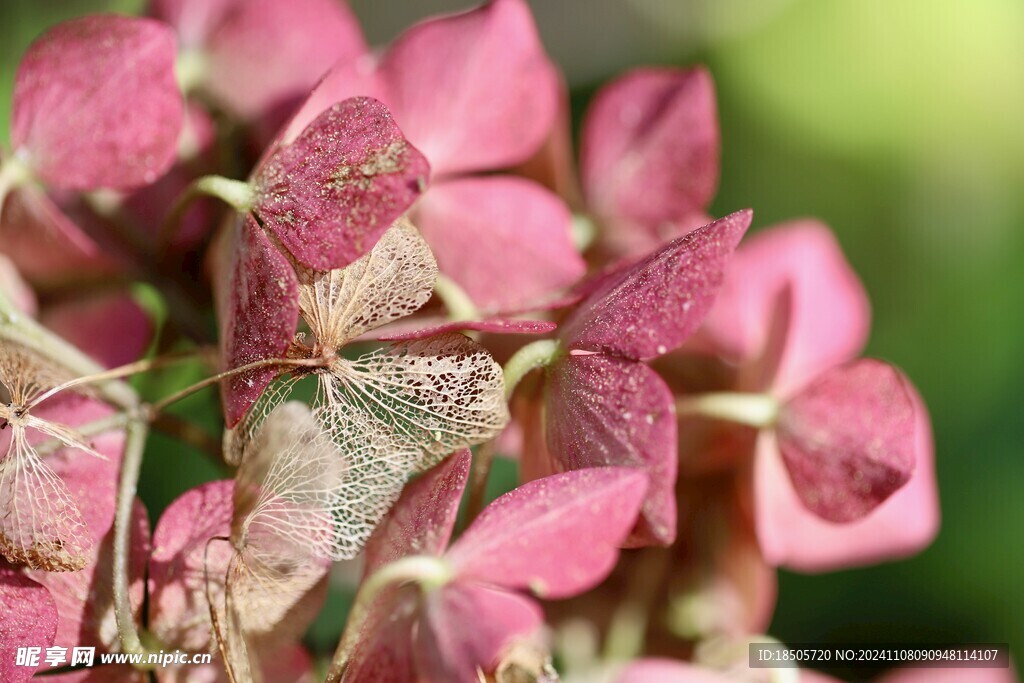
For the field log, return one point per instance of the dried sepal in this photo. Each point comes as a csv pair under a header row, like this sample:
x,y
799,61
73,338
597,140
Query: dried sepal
x,y
41,526
331,193
602,411
258,310
848,439
392,281
655,305
288,525
431,397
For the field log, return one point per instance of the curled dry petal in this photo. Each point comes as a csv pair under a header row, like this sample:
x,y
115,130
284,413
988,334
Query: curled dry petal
x,y
394,280
422,520
257,301
96,103
603,411
466,626
506,241
28,618
556,536
848,439
655,305
649,156
330,194
790,535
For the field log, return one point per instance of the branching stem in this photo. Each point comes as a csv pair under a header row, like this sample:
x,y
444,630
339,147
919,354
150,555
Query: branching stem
x,y
162,404
134,368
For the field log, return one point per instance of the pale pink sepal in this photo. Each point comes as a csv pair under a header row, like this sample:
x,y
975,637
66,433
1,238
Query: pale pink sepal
x,y
466,626
649,156
506,241
110,327
474,91
96,103
305,36
829,315
556,536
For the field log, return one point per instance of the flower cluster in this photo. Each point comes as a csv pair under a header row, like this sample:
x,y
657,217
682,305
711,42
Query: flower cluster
x,y
410,277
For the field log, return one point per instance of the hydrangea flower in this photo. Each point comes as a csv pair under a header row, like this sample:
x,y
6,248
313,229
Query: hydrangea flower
x,y
849,435
504,240
556,537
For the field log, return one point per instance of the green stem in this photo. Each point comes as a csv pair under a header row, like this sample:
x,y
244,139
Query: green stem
x,y
538,354
238,194
426,571
460,306
131,465
753,410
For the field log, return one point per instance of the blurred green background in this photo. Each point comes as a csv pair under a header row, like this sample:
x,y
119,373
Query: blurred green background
x,y
901,124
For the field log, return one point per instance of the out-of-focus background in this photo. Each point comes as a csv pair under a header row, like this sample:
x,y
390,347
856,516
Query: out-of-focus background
x,y
901,124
